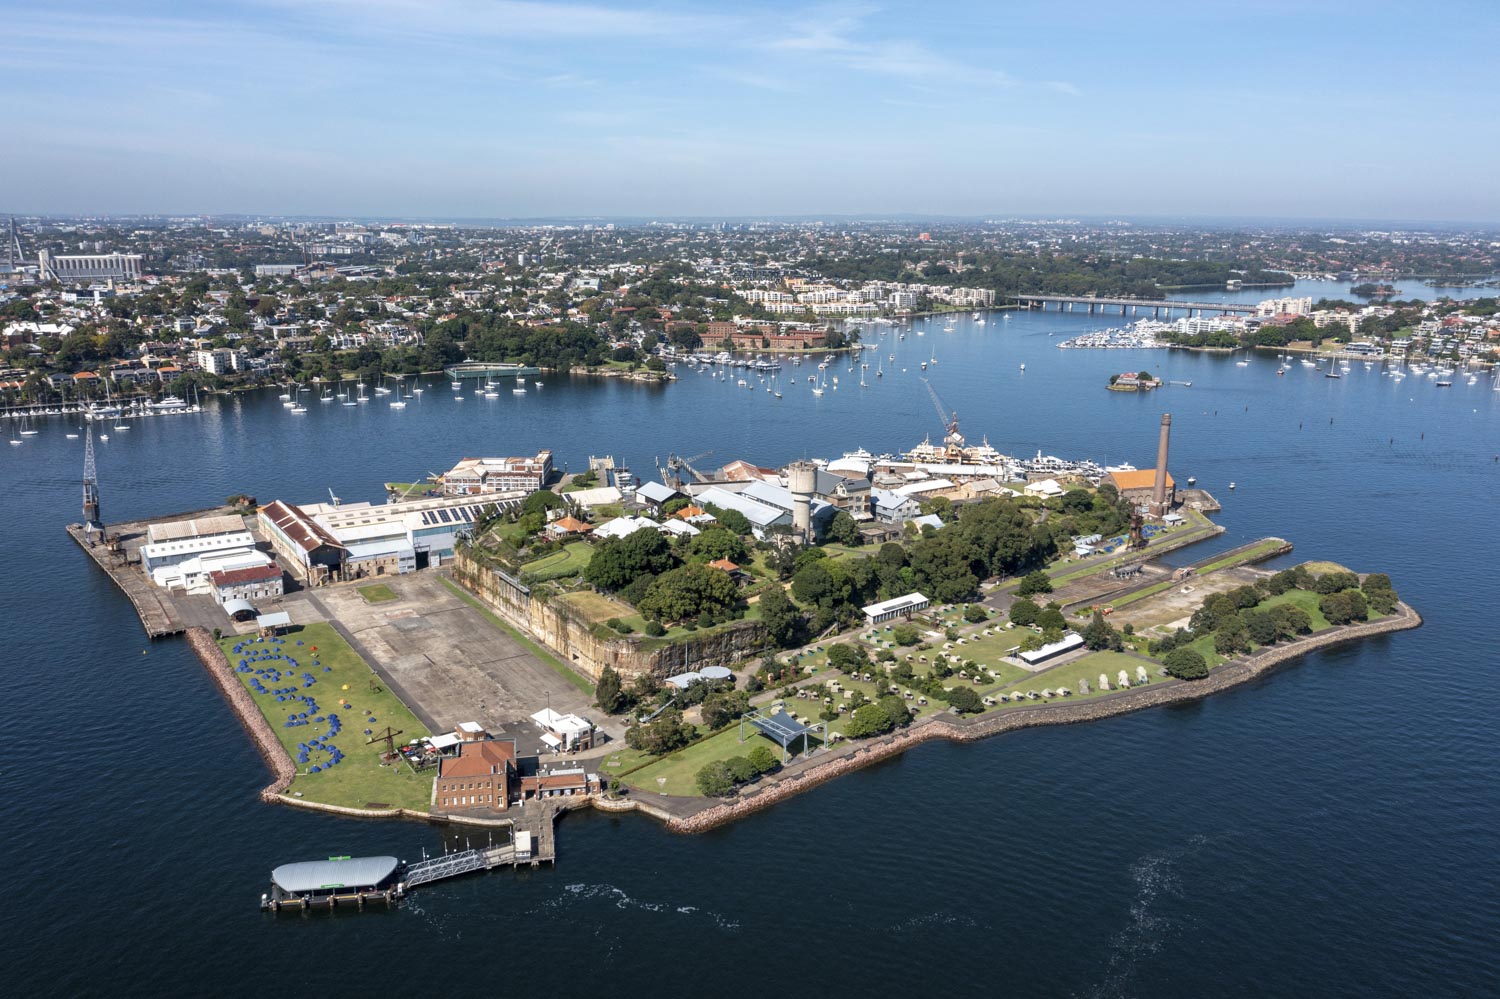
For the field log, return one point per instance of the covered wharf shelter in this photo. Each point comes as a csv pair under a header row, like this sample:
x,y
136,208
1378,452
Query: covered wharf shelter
x,y
332,881
780,727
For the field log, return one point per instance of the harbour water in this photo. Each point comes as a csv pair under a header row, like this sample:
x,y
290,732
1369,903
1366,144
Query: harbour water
x,y
1328,831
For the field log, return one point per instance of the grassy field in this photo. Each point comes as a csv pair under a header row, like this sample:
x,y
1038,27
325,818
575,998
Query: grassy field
x,y
1305,599
569,561
1323,568
673,774
376,593
1087,668
341,677
556,665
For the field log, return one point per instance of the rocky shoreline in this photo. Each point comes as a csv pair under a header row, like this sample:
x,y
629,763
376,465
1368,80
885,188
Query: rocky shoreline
x,y
271,750
971,730
756,799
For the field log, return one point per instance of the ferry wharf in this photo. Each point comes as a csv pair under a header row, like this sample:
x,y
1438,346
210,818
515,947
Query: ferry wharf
x,y
354,882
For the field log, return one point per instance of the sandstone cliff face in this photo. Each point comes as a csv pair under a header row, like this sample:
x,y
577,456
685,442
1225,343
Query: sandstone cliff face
x,y
576,643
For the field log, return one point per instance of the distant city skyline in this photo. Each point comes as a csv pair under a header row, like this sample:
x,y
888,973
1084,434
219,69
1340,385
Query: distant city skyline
x,y
491,109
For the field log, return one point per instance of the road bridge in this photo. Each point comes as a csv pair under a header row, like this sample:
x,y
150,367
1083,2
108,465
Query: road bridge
x,y
1132,306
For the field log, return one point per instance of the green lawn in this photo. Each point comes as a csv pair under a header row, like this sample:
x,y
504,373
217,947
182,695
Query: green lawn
x,y
360,780
556,665
1305,599
570,560
675,773
376,593
1086,668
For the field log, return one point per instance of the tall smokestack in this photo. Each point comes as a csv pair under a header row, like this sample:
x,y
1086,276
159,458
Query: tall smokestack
x,y
1159,488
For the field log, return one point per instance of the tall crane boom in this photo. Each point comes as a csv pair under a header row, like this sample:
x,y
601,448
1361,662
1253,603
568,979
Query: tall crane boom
x,y
950,420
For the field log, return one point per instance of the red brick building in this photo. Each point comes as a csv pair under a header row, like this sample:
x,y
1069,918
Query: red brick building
x,y
478,778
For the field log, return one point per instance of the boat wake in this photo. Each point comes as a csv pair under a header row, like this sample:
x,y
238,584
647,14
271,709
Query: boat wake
x,y
1157,886
617,897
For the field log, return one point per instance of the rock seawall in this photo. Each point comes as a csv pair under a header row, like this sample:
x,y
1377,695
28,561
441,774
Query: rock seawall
x,y
973,729
271,750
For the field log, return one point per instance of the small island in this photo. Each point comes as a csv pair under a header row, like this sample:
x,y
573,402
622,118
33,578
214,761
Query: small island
x,y
1134,381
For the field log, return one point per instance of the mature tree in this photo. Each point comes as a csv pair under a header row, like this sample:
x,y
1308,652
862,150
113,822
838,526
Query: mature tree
x,y
871,719
781,619
1379,592
618,561
1024,612
608,693
1051,619
1231,636
975,613
1261,626
1344,607
942,569
844,529
661,736
715,779
718,542
1185,664
812,583
542,500
1291,620
732,519
847,656
1100,634
965,700
688,591
895,709
1033,583
741,769
1334,582
722,708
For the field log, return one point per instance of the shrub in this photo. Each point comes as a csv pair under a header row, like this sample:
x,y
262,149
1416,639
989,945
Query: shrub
x,y
905,635
654,629
975,613
1186,664
763,760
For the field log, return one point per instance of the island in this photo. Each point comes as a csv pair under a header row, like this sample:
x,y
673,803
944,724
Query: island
x,y
506,644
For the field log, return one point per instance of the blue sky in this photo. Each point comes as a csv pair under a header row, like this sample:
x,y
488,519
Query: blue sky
x,y
490,108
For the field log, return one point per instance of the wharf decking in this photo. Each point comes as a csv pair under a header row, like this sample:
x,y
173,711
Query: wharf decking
x,y
158,612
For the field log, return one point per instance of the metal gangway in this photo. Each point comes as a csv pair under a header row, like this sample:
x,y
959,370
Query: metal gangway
x,y
453,864
447,866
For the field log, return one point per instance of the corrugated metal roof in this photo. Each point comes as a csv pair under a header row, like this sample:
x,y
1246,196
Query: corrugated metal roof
x,y
355,872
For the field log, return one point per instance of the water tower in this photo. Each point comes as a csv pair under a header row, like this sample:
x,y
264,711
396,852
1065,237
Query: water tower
x,y
802,481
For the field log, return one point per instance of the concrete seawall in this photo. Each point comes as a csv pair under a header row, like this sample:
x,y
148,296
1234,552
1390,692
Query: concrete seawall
x,y
973,729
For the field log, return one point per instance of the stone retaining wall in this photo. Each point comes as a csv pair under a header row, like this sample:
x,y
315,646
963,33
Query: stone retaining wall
x,y
972,729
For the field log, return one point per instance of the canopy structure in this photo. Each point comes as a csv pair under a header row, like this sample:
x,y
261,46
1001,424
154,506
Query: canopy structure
x,y
280,619
715,672
781,727
333,874
683,680
237,606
